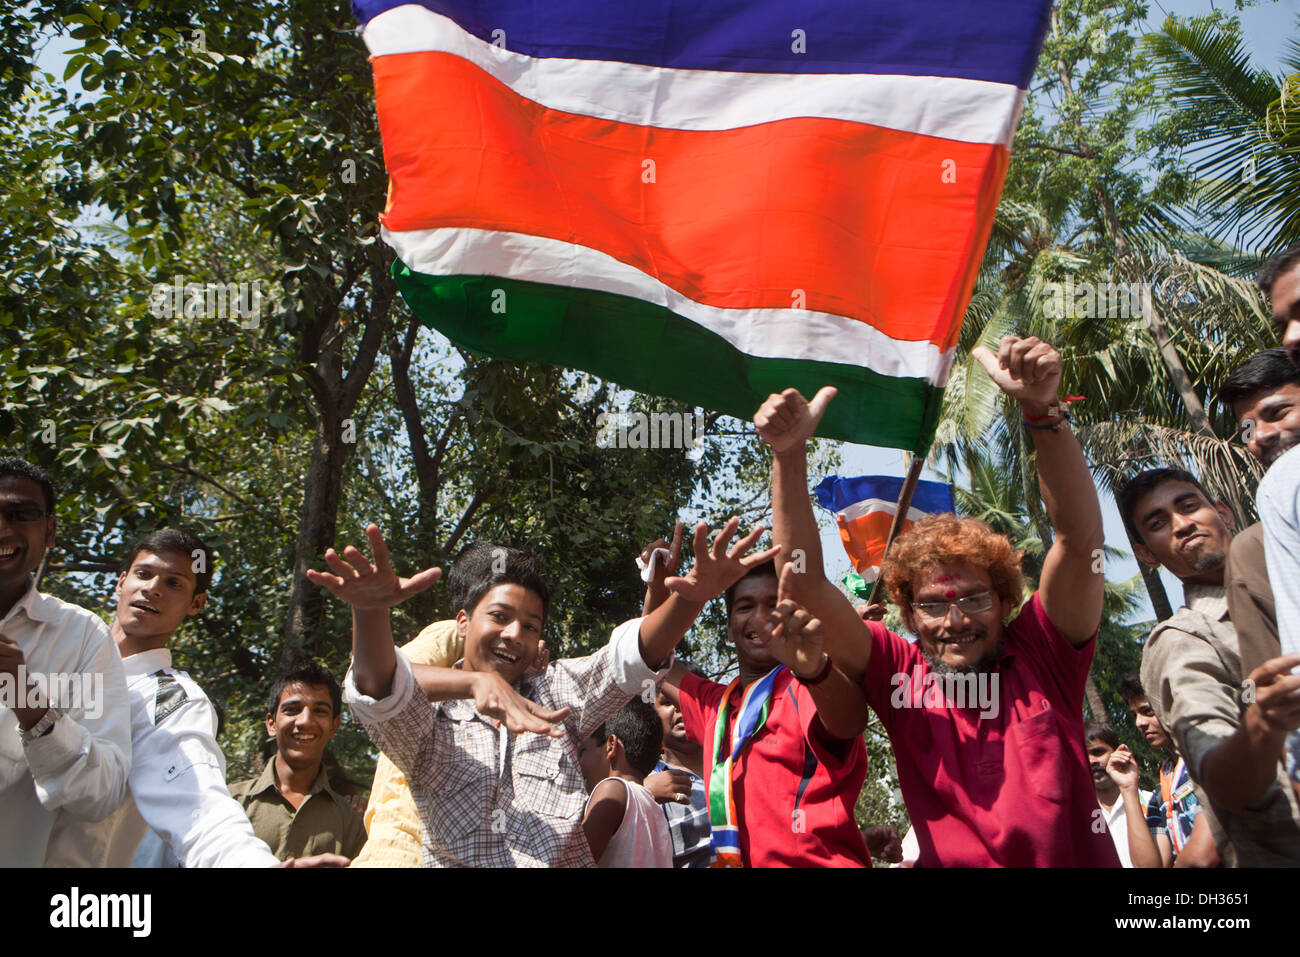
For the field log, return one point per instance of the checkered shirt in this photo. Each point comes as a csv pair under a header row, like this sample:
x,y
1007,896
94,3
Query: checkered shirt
x,y
489,798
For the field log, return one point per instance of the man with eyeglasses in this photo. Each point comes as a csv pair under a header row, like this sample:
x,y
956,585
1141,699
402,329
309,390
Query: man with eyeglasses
x,y
985,717
65,720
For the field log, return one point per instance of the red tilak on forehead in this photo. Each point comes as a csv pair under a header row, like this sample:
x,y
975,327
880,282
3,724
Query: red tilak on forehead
x,y
944,578
950,593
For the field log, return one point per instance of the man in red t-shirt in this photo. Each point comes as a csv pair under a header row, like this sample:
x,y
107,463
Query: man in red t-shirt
x,y
796,778
985,718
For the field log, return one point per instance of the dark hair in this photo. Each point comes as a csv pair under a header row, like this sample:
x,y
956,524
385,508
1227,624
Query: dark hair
x,y
1130,688
1264,371
600,734
638,729
181,542
1101,731
471,563
767,568
21,468
507,566
1145,482
311,673
1276,265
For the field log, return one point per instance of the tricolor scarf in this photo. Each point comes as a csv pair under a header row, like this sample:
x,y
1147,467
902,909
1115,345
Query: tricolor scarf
x,y
754,706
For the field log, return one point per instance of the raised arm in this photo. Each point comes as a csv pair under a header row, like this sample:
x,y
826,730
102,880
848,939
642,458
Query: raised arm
x,y
716,569
786,422
1072,584
371,590
656,592
1144,848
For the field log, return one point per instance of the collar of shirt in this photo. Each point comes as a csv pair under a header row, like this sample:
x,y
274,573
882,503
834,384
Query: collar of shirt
x,y
1209,600
34,605
463,710
147,662
267,780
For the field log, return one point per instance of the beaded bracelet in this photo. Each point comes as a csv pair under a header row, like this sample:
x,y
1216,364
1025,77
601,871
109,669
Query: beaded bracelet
x,y
822,675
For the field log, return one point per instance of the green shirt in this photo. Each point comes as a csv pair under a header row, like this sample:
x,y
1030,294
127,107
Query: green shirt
x,y
323,824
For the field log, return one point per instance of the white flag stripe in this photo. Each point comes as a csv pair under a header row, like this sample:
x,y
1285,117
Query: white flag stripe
x,y
859,509
767,333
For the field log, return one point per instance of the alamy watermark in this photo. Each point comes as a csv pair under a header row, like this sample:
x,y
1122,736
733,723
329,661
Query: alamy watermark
x,y
213,300
63,691
928,689
1094,300
655,430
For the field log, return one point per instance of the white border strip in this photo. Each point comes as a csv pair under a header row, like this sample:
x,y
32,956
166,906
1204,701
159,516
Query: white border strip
x,y
973,111
859,509
765,333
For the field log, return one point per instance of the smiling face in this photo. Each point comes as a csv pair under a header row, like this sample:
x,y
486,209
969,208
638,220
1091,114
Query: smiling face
x,y
1270,421
303,723
503,632
959,642
1183,531
752,600
26,531
155,595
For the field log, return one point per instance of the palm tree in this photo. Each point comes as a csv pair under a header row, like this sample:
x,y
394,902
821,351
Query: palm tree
x,y
1243,126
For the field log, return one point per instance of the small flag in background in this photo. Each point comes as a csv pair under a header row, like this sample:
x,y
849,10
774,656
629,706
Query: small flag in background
x,y
712,200
864,509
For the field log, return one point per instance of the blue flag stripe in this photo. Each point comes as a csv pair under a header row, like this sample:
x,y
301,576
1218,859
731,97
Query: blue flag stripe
x,y
836,494
993,40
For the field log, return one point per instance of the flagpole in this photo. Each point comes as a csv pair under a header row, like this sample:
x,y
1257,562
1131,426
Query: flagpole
x,y
900,515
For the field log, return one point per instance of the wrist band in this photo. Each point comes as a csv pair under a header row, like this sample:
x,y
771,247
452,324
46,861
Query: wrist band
x,y
821,676
1052,427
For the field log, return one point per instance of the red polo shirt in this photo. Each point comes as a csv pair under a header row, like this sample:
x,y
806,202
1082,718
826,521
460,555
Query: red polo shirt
x,y
794,786
1008,790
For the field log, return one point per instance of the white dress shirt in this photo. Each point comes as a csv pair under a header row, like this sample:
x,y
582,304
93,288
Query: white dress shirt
x,y
1117,824
52,788
178,776
1279,514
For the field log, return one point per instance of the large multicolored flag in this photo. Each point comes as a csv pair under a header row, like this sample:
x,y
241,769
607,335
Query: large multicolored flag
x,y
711,200
865,507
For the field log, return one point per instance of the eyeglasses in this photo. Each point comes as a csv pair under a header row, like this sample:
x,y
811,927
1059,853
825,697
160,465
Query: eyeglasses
x,y
970,605
22,514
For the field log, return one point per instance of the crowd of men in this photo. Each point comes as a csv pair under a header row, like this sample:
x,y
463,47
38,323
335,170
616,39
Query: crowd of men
x,y
492,754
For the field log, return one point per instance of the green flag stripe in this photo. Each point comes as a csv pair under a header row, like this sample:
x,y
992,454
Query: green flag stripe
x,y
649,348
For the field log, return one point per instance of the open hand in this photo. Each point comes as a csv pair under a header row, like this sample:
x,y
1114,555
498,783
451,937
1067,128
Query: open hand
x,y
366,586
788,420
1028,370
717,569
496,699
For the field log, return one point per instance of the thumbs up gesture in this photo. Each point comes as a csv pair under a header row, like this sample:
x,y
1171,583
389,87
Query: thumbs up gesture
x,y
788,420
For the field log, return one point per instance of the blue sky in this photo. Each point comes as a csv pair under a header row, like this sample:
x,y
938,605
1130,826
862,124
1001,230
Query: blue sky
x,y
1267,29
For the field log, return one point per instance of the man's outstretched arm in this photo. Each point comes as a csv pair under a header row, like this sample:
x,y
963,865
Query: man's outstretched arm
x,y
1073,583
786,422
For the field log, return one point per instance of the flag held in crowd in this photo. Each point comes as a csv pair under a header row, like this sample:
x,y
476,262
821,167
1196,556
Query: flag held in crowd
x,y
865,507
710,201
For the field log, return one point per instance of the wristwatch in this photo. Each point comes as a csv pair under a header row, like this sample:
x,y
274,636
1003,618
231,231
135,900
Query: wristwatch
x,y
41,728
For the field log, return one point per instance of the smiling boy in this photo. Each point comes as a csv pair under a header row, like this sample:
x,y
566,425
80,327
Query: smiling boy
x,y
292,805
489,796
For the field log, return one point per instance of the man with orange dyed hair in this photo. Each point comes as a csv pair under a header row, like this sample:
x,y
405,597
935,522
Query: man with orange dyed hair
x,y
985,717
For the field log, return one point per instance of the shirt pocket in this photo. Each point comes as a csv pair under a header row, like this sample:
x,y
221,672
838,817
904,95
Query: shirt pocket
x,y
1037,745
462,805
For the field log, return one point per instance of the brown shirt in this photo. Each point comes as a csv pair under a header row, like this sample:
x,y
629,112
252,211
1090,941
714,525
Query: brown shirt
x,y
1192,673
1250,599
323,824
